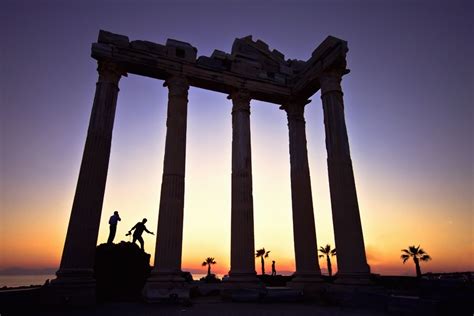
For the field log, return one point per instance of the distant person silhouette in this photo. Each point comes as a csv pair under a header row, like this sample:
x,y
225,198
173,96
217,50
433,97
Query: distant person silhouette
x,y
137,234
113,226
274,272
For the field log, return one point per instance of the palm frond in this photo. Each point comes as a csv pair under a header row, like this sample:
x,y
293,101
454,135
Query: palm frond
x,y
209,260
260,252
321,256
425,258
404,258
333,252
266,255
413,250
406,251
326,249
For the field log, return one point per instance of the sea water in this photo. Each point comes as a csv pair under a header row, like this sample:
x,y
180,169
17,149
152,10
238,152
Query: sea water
x,y
16,280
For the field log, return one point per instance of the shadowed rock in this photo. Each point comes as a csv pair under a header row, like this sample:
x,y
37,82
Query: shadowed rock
x,y
120,271
210,278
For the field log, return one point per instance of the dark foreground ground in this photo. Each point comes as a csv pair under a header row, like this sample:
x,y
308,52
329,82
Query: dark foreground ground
x,y
277,301
432,295
205,306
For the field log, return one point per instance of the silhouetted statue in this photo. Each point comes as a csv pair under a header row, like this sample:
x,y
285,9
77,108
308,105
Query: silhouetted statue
x,y
113,226
274,271
137,234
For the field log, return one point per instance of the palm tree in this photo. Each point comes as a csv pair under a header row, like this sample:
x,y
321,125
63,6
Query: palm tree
x,y
417,254
262,254
328,252
208,262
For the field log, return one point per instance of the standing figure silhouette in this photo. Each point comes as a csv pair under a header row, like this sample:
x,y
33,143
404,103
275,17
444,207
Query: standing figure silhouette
x,y
114,219
274,272
137,234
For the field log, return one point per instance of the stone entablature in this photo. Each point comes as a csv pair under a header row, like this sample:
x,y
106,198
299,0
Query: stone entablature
x,y
251,65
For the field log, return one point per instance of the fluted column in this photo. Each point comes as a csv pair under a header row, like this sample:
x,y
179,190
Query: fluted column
x,y
242,261
351,258
304,231
77,262
170,221
83,229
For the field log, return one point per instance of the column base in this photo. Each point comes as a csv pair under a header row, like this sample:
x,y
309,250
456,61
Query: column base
x,y
357,294
239,280
71,287
356,279
311,277
165,287
242,287
312,284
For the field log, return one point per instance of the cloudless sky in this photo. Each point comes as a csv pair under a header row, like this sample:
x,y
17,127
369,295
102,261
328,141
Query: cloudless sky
x,y
409,113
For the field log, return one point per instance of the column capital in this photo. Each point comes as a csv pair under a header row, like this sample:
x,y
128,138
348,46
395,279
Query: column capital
x,y
240,100
294,109
330,79
177,85
109,72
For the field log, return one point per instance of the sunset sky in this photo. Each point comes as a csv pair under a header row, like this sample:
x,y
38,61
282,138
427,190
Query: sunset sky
x,y
408,105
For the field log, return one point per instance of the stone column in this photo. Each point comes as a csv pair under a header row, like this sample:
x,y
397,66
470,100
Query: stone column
x,y
75,273
168,251
351,259
242,260
304,231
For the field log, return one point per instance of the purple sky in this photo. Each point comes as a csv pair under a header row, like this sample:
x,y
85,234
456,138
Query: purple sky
x,y
409,96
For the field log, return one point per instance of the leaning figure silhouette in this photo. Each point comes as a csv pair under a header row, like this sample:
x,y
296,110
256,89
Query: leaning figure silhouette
x,y
137,234
114,219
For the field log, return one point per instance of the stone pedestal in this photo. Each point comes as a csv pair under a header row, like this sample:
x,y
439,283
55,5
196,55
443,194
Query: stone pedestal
x,y
75,283
242,260
165,280
351,258
308,273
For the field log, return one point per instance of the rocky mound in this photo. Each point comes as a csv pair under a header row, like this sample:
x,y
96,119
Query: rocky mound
x,y
120,271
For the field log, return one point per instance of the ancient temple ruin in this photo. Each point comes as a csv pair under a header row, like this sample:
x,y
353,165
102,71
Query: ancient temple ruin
x,y
250,71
